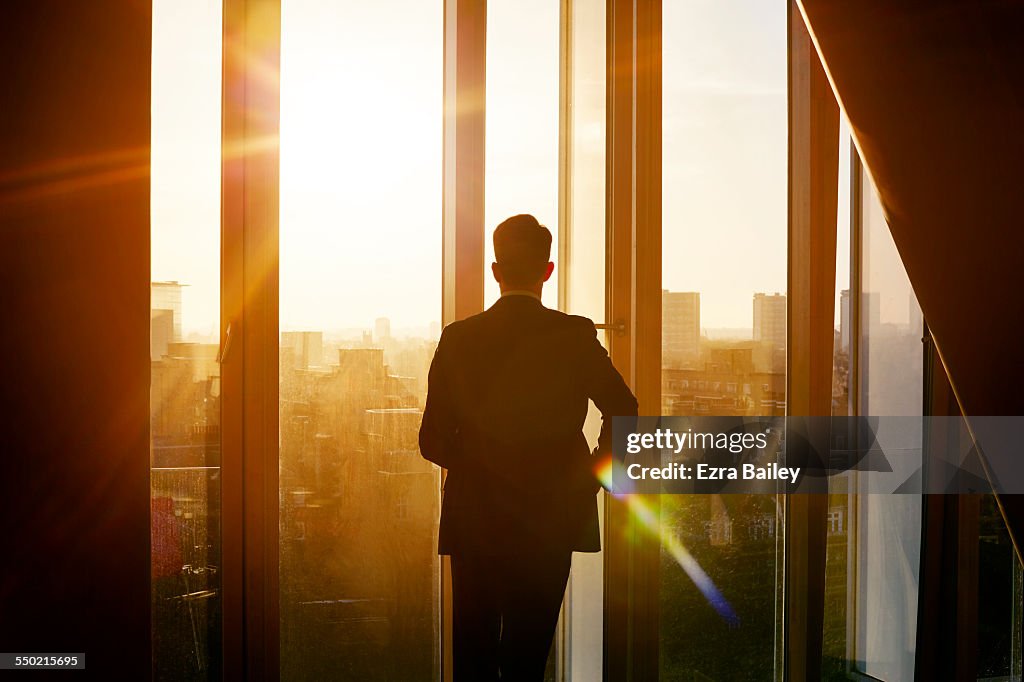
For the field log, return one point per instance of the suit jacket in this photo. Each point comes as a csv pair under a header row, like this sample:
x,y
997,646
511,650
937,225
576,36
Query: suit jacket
x,y
507,396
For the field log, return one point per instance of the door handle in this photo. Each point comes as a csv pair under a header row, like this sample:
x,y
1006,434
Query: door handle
x,y
619,327
225,349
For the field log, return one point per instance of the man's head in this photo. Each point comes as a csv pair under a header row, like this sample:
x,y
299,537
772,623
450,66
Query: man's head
x,y
522,254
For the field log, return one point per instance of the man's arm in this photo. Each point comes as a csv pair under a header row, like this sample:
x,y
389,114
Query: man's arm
x,y
606,388
438,430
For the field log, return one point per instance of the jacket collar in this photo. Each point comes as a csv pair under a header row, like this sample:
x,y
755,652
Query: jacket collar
x,y
516,300
520,292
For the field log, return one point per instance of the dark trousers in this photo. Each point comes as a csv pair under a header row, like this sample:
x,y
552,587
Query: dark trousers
x,y
505,609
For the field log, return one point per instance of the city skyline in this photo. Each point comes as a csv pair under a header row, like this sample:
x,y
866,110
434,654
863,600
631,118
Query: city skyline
x,y
888,310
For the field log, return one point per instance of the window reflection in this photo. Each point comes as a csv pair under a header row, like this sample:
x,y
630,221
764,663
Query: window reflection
x,y
890,370
723,316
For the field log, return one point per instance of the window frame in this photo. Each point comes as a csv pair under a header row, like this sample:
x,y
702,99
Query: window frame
x,y
249,319
250,190
813,197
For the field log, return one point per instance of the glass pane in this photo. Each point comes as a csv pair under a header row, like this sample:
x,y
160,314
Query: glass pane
x,y
185,318
361,98
998,597
584,259
888,527
585,273
723,321
837,573
522,124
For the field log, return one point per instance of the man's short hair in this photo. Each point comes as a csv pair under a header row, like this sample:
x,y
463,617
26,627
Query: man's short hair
x,y
522,249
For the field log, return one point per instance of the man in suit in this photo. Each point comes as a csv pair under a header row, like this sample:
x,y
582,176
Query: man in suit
x,y
507,397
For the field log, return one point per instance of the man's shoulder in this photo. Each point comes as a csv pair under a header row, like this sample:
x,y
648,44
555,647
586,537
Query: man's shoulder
x,y
579,323
483,320
453,331
458,327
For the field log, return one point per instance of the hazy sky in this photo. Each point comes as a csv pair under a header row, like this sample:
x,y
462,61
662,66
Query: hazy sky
x,y
361,124
724,154
185,201
522,122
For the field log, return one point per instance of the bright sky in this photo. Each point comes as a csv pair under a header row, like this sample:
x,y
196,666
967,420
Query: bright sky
x,y
522,123
185,202
724,154
361,103
361,99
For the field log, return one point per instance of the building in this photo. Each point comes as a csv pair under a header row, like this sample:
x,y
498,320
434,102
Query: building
x,y
844,320
870,313
732,381
770,319
167,296
306,349
359,509
381,330
680,322
161,332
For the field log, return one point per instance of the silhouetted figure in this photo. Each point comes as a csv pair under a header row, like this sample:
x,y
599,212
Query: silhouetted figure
x,y
508,394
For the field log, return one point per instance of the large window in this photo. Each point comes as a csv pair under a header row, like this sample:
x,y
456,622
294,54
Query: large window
x,y
184,334
360,298
723,321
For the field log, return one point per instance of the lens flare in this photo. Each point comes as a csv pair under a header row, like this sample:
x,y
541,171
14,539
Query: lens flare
x,y
606,469
701,579
649,520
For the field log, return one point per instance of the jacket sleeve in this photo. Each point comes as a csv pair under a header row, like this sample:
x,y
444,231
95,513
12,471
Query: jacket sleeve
x,y
439,429
606,387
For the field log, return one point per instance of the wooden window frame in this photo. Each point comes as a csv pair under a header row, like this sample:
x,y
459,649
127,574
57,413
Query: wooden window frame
x,y
250,190
465,81
633,281
813,197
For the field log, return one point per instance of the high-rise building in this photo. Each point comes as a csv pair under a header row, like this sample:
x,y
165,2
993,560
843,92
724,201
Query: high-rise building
x,y
161,332
844,320
381,330
770,319
307,348
167,296
680,321
870,313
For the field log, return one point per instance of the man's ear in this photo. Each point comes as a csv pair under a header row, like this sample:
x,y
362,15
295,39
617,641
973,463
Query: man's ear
x,y
548,269
496,271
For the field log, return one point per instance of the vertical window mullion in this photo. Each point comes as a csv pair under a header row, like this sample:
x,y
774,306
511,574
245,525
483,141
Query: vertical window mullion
x,y
249,319
813,190
465,53
633,219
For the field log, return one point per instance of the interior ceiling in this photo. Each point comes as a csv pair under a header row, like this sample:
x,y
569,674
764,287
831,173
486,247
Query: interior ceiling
x,y
934,93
